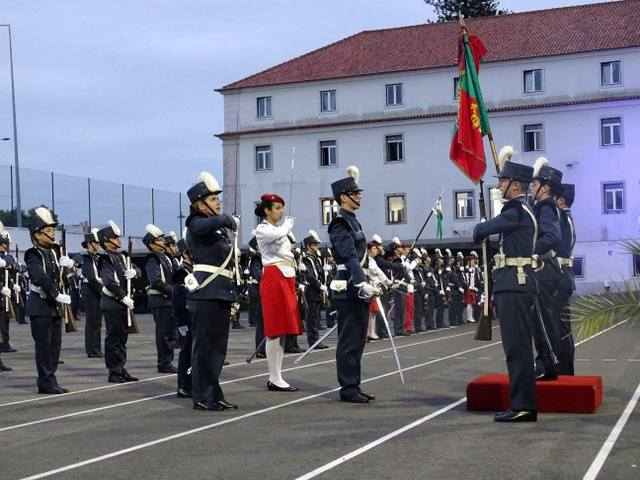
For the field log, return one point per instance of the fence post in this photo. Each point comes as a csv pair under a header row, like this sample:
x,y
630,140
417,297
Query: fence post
x,y
124,223
89,196
153,208
53,194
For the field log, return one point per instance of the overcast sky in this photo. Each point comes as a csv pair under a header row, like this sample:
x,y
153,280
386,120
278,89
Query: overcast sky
x,y
122,90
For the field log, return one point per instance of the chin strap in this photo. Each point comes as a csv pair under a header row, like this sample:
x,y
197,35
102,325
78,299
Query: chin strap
x,y
351,198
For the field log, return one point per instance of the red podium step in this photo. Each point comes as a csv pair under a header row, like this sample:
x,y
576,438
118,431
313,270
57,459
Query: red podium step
x,y
567,394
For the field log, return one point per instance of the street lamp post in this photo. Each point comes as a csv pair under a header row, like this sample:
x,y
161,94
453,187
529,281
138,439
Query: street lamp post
x,y
15,132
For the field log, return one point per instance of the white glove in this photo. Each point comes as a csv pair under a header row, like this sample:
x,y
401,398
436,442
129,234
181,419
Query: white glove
x,y
441,292
65,262
128,301
367,290
237,220
410,288
17,289
288,223
302,267
183,330
388,282
326,268
2,263
448,289
429,274
461,290
426,296
473,288
324,289
5,291
246,271
481,299
64,299
301,288
130,273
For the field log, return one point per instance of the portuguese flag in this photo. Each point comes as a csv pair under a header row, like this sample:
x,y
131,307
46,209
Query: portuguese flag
x,y
467,149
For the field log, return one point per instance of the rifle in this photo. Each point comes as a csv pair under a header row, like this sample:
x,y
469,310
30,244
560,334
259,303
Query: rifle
x,y
17,277
65,309
326,302
8,304
483,330
132,324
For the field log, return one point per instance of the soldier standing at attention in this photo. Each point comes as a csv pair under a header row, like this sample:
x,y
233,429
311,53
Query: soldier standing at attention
x,y
91,289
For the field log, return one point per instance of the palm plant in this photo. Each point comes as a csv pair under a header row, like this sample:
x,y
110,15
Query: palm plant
x,y
596,312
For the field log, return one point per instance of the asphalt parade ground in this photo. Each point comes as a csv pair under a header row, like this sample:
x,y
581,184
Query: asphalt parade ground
x,y
420,430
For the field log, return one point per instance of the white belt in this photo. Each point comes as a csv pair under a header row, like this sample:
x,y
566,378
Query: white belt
x,y
565,262
214,269
343,268
107,292
153,291
38,290
254,282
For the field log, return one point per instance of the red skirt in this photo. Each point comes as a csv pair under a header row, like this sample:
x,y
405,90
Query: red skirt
x,y
408,314
471,297
373,306
279,303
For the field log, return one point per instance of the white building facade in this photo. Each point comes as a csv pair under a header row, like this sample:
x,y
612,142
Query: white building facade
x,y
581,110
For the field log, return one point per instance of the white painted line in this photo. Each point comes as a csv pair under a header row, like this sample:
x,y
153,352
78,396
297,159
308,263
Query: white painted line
x,y
461,358
161,377
231,420
601,332
608,359
582,360
633,359
237,380
484,358
381,440
609,443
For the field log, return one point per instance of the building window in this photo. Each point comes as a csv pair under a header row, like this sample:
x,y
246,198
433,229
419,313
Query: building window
x,y
532,81
329,210
495,196
394,148
263,158
456,83
578,267
613,196
394,94
264,107
533,138
464,205
611,129
328,101
636,265
396,209
610,73
328,154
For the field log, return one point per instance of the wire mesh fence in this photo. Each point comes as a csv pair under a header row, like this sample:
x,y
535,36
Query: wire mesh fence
x,y
81,203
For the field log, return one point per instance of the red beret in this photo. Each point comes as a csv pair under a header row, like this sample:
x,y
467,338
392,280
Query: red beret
x,y
272,197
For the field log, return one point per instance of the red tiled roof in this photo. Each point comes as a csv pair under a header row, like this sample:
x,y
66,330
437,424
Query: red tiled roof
x,y
558,31
422,116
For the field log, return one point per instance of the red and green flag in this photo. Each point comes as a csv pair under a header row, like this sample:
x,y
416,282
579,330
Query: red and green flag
x,y
467,149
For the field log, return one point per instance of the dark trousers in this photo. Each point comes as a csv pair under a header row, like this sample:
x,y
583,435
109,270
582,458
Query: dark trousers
x,y
210,321
353,317
513,310
256,307
163,318
418,312
20,309
550,318
331,315
429,318
567,346
184,361
93,324
439,305
47,334
291,343
455,310
399,310
4,325
311,320
115,341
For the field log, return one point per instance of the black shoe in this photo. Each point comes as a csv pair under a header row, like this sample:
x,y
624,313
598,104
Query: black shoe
x,y
321,346
60,362
201,406
294,350
4,368
114,378
225,363
546,377
8,349
226,405
275,388
169,369
95,355
182,393
354,397
261,355
237,326
516,416
64,390
51,391
128,378
373,339
368,396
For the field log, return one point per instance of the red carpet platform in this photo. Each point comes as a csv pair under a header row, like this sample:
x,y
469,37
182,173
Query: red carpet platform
x,y
567,394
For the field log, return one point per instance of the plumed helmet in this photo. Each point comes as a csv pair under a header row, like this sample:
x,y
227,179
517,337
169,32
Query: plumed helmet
x,y
111,230
348,184
205,186
42,219
152,233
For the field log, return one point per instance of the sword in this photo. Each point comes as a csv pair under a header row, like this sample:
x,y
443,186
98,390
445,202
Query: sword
x,y
393,345
556,362
253,355
329,332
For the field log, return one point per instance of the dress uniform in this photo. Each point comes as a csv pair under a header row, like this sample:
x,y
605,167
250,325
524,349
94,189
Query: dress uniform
x,y
183,319
21,295
473,278
549,274
211,290
255,305
91,291
419,323
171,243
458,287
314,287
115,302
44,263
514,285
441,300
8,267
159,269
431,291
567,285
352,292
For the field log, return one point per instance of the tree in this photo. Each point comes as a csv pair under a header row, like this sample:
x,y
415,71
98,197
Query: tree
x,y
449,9
9,218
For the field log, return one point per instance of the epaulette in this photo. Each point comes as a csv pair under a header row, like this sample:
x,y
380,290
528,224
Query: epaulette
x,y
339,220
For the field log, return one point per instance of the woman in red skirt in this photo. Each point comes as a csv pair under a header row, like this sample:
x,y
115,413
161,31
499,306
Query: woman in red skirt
x,y
277,286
